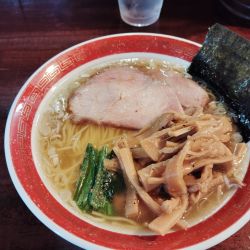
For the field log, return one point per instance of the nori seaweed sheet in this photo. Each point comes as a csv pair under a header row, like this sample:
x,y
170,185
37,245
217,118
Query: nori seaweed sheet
x,y
223,63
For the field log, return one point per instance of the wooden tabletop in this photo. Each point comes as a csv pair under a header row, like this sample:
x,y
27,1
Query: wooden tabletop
x,y
31,32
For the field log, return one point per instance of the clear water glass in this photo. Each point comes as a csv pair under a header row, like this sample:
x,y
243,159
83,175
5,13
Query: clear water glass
x,y
140,12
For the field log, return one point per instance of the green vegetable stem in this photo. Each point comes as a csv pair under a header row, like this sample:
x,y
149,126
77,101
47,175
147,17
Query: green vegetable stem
x,y
96,186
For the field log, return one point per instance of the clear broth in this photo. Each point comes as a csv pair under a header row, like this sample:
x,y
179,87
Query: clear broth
x,y
60,157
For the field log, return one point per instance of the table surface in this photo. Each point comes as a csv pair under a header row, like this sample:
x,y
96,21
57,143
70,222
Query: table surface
x,y
31,32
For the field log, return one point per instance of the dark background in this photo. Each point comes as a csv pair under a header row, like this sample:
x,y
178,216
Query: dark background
x,y
33,31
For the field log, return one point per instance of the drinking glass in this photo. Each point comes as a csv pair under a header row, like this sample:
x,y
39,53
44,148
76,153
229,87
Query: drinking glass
x,y
140,12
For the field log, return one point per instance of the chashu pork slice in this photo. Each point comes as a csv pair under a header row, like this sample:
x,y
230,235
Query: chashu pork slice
x,y
122,96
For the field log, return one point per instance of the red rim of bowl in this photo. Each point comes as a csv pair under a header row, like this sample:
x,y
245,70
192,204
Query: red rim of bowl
x,y
230,218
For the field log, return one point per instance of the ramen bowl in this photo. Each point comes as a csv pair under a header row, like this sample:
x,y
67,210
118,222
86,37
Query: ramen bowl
x,y
38,194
